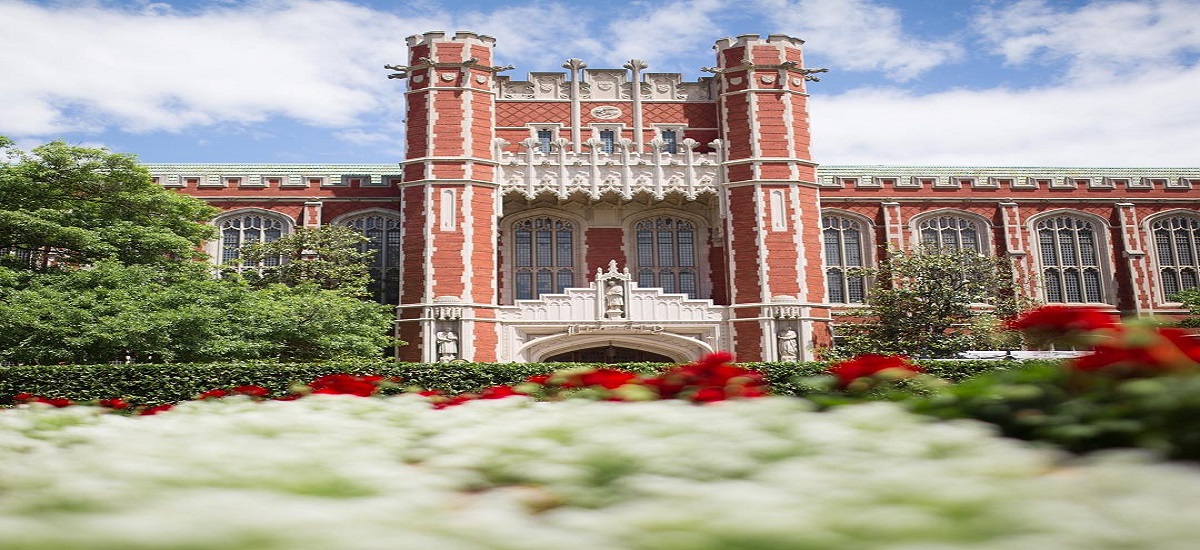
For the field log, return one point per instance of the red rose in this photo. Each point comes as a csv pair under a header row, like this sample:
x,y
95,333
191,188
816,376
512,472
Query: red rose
x,y
252,391
149,411
58,402
869,365
345,384
540,379
212,394
1056,321
1143,353
23,397
498,392
609,379
116,403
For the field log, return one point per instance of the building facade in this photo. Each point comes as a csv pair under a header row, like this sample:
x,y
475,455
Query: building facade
x,y
621,214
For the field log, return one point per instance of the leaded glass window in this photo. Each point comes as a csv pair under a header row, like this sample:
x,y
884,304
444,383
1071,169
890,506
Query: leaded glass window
x,y
383,237
544,137
670,141
1177,250
666,255
950,233
1070,258
239,231
608,140
543,256
843,239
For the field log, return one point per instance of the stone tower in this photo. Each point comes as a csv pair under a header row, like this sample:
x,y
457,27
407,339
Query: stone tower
x,y
772,212
448,199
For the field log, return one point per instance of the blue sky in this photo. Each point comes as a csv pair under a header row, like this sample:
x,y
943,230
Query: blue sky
x,y
926,82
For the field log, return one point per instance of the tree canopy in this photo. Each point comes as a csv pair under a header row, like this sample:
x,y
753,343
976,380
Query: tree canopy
x,y
329,256
84,205
111,312
936,303
99,264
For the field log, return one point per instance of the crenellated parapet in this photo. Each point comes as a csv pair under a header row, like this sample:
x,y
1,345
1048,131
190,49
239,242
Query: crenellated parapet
x,y
605,85
594,173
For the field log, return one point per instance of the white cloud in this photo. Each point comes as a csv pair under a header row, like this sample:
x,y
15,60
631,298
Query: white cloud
x,y
859,35
1100,40
1149,119
84,68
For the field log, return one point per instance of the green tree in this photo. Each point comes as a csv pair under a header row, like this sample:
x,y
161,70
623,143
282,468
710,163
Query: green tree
x,y
108,312
935,303
1191,301
81,205
329,256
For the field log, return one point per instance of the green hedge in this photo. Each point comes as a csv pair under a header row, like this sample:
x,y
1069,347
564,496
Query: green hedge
x,y
155,384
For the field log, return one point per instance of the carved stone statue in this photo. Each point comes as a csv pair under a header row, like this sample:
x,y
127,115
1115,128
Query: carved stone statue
x,y
788,346
614,299
447,346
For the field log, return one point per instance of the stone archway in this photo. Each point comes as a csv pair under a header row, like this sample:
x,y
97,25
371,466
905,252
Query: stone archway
x,y
675,348
608,354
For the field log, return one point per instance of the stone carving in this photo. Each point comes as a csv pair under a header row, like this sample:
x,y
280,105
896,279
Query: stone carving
x,y
518,90
447,346
614,299
606,112
789,348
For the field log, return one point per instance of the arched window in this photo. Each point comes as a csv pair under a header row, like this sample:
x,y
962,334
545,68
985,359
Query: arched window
x,y
383,233
543,256
240,230
843,253
1070,256
666,255
951,233
1177,250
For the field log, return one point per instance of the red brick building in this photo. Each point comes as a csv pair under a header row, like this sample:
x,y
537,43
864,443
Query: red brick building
x,y
621,214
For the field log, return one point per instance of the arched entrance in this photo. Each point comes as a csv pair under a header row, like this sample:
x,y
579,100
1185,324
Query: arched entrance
x,y
608,354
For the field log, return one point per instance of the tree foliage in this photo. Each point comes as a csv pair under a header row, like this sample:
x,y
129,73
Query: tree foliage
x,y
1191,301
936,303
125,283
110,312
84,205
329,256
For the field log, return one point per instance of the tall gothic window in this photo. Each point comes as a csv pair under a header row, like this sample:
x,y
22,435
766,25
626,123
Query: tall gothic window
x,y
843,254
950,233
238,231
544,256
666,255
1070,256
1177,249
383,234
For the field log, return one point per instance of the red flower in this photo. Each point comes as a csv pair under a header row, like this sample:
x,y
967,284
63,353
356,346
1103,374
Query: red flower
x,y
609,379
23,397
540,379
498,392
346,384
869,365
1143,353
1062,320
150,411
115,403
289,397
212,394
58,402
252,391
712,378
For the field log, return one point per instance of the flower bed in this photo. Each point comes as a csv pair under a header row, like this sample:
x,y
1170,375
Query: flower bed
x,y
337,471
696,456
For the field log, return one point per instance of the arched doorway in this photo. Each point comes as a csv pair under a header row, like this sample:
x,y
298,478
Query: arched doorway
x,y
608,354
